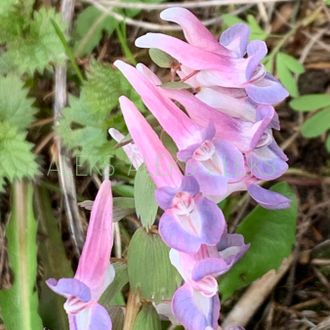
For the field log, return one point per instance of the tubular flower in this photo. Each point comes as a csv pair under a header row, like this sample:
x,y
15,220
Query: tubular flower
x,y
94,272
208,158
196,304
194,219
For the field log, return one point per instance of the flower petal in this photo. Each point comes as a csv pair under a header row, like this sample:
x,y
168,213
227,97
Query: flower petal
x,y
94,317
94,261
268,199
178,125
266,90
204,225
195,311
236,38
160,164
194,31
70,287
264,164
256,50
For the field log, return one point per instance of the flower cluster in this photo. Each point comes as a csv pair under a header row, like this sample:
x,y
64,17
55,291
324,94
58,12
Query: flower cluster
x,y
222,126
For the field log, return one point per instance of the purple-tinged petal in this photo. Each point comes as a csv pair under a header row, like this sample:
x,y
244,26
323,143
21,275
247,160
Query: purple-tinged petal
x,y
164,197
204,224
93,266
174,121
189,184
130,149
160,164
194,310
256,51
264,164
268,199
147,73
198,58
236,39
266,90
194,31
277,150
94,317
210,266
70,287
211,184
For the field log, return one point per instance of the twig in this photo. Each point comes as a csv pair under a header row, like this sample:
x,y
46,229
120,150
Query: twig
x,y
154,26
132,309
187,4
64,162
255,296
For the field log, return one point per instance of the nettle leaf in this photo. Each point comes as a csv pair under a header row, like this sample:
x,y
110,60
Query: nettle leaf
x,y
286,66
19,304
85,123
147,319
144,195
149,269
15,107
317,124
36,44
88,29
271,235
310,102
17,159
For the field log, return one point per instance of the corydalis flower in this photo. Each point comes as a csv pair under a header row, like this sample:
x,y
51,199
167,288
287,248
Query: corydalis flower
x,y
232,62
190,219
196,304
94,272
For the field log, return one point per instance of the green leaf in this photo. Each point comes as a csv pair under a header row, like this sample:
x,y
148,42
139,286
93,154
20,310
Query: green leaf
x,y
17,159
89,25
144,195
114,289
229,20
147,319
15,107
271,235
327,144
39,45
19,304
317,124
160,58
122,206
55,263
310,102
176,85
257,32
291,63
285,75
149,269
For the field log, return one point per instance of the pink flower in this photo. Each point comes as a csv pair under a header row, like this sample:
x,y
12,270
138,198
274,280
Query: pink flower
x,y
94,272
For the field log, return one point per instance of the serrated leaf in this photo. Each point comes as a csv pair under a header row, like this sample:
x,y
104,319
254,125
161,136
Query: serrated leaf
x,y
317,124
89,25
160,58
147,319
144,196
310,102
39,45
149,269
286,77
19,304
55,263
271,235
17,159
15,107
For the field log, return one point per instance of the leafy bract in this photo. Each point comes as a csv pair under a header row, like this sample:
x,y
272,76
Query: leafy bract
x,y
144,195
149,269
147,319
317,124
271,235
